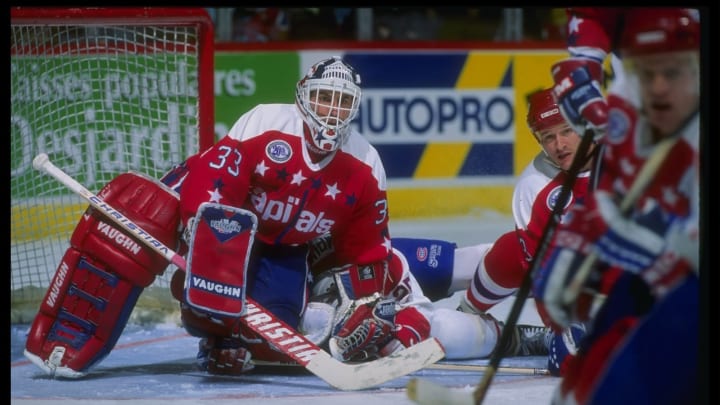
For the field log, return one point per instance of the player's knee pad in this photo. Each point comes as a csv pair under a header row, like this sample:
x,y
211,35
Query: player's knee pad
x,y
431,262
101,276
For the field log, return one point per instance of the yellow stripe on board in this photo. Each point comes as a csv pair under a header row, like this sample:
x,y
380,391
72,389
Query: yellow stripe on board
x,y
44,221
441,160
437,202
484,70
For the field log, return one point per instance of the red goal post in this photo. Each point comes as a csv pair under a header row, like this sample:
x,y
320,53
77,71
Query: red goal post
x,y
102,91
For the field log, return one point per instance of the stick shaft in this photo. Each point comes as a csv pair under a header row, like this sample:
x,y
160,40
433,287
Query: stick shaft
x,y
484,369
43,163
443,366
522,294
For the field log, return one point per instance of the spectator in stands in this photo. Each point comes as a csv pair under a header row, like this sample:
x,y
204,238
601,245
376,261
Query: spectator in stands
x,y
400,24
260,24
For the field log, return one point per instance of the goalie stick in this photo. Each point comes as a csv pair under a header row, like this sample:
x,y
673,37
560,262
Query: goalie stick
x,y
343,376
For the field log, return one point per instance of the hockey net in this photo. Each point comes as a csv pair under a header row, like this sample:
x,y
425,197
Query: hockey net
x,y
102,91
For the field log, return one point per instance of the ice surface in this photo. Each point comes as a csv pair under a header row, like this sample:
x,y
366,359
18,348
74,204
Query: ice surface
x,y
155,364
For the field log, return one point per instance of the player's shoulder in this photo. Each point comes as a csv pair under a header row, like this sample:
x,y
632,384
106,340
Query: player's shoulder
x,y
275,111
540,169
359,147
365,153
265,118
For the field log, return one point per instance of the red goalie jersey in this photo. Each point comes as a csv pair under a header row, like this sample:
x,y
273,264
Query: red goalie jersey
x,y
262,166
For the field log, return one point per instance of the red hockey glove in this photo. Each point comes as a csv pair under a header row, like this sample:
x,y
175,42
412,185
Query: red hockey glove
x,y
570,247
577,92
411,327
363,329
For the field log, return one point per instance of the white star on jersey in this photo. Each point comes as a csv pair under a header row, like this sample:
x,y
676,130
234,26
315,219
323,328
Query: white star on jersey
x,y
574,24
298,178
261,168
332,191
215,196
387,244
669,195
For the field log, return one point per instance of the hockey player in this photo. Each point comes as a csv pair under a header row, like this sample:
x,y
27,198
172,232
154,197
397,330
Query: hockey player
x,y
648,323
491,272
244,212
305,175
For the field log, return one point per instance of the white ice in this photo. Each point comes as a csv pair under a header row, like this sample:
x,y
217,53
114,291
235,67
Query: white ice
x,y
151,365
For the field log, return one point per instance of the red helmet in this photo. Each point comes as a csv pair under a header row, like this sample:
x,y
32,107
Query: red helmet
x,y
657,30
543,112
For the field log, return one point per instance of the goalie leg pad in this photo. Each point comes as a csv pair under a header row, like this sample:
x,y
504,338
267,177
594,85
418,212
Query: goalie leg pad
x,y
100,278
81,317
200,323
221,238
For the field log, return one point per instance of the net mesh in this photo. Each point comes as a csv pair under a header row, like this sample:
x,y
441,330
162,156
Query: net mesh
x,y
100,99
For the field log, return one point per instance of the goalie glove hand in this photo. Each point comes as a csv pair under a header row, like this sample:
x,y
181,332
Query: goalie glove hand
x,y
365,328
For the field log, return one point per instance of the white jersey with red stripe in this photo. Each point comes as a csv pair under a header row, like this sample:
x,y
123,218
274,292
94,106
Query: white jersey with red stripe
x,y
536,192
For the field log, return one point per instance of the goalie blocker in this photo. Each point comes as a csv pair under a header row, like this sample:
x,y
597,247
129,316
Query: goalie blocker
x,y
101,276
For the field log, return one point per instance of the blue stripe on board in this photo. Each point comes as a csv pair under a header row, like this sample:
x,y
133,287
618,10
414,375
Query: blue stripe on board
x,y
507,80
408,70
489,159
400,160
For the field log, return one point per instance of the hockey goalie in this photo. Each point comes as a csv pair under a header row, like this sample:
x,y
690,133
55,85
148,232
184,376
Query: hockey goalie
x,y
100,277
292,172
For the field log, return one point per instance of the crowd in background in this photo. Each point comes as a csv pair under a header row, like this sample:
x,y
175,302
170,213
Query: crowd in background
x,y
391,23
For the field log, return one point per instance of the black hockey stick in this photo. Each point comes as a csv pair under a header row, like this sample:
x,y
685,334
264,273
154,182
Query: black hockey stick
x,y
440,365
580,159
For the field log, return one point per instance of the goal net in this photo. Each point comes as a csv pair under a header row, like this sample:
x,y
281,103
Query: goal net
x,y
102,91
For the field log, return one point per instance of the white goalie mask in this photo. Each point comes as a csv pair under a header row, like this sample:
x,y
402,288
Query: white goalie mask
x,y
329,99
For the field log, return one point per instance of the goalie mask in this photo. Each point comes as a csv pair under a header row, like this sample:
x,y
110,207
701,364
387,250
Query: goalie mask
x,y
328,98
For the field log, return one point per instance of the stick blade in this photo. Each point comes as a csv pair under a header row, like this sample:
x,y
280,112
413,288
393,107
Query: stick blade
x,y
426,392
349,377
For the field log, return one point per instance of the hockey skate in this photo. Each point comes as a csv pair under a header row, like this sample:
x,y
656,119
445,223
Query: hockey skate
x,y
525,340
528,340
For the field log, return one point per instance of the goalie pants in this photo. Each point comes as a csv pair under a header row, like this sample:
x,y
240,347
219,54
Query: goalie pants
x,y
278,279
